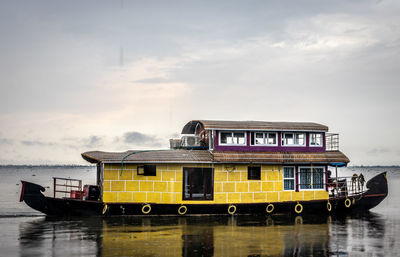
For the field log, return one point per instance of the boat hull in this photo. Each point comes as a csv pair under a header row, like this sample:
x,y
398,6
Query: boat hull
x,y
32,195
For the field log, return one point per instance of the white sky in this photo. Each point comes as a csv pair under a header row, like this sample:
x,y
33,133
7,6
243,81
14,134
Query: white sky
x,y
111,75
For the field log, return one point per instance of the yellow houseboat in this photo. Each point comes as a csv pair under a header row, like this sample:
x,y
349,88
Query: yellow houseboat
x,y
219,167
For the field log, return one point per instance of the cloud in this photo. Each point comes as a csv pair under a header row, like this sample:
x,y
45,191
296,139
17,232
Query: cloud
x,y
93,141
5,141
37,143
134,137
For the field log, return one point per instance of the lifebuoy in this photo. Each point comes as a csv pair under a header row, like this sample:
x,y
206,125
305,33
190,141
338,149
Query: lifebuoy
x,y
146,209
105,209
298,208
231,209
347,202
270,208
182,210
329,206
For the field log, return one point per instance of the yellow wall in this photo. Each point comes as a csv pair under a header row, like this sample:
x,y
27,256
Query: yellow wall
x,y
229,186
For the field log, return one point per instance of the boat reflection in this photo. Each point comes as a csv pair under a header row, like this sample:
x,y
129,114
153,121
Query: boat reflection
x,y
199,235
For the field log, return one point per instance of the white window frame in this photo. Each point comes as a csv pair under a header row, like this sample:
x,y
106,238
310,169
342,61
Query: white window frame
x,y
322,140
294,178
265,143
294,133
312,189
232,132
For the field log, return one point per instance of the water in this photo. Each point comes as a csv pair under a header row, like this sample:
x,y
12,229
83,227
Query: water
x,y
26,232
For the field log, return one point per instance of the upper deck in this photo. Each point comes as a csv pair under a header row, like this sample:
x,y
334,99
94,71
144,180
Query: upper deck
x,y
260,136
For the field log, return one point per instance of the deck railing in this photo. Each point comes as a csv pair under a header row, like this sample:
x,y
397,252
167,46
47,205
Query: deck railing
x,y
346,186
332,141
66,186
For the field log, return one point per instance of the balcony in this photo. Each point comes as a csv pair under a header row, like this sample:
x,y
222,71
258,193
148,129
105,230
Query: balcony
x,y
332,141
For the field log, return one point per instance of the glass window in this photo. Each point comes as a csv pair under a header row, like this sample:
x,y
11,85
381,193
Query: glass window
x,y
254,173
232,138
263,138
271,139
288,178
259,138
293,139
311,178
147,170
315,139
197,183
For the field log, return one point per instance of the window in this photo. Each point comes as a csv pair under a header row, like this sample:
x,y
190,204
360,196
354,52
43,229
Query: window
x,y
254,173
232,138
264,138
311,178
316,139
198,183
293,139
288,178
147,170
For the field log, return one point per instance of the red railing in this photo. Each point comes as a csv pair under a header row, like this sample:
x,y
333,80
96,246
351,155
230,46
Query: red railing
x,y
68,186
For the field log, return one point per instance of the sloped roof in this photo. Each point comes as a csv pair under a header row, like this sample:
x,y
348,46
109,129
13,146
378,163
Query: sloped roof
x,y
204,156
190,127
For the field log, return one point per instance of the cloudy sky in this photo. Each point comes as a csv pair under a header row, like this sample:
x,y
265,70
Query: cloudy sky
x,y
117,75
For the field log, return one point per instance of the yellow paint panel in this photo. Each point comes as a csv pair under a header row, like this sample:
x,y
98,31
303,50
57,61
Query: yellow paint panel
x,y
160,186
111,174
107,186
321,195
247,197
117,185
179,176
272,197
168,176
228,187
267,186
125,197
285,196
139,197
168,197
153,197
234,176
138,177
263,176
110,197
278,186
297,196
242,187
220,198
243,176
177,187
272,175
132,185
233,197
308,195
254,186
259,197
174,167
221,176
146,185
218,187
155,178
178,197
126,175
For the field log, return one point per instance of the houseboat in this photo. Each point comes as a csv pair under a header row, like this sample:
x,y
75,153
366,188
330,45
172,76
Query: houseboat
x,y
219,167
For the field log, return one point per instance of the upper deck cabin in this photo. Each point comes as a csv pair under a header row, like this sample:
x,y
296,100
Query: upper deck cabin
x,y
257,136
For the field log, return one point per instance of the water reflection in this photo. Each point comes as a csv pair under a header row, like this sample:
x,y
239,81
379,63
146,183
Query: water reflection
x,y
204,236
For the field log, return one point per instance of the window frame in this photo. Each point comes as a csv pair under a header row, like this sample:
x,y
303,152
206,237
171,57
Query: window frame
x,y
211,183
317,133
147,170
253,139
292,178
232,135
258,176
312,189
293,133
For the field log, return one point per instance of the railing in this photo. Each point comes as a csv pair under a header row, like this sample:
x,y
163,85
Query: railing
x,y
68,185
346,186
332,141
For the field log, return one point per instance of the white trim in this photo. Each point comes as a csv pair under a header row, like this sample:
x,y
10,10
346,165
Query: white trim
x,y
294,178
322,139
253,134
293,145
312,167
232,132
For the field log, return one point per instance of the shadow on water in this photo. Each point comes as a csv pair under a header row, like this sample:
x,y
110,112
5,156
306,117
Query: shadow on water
x,y
203,236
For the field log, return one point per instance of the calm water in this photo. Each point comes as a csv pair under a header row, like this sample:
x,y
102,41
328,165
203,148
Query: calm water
x,y
25,232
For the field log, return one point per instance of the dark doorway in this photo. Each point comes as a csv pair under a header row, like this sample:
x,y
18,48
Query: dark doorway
x,y
198,183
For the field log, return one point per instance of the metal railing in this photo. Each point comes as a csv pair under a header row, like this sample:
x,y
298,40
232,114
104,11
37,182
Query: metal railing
x,y
67,186
346,186
332,141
